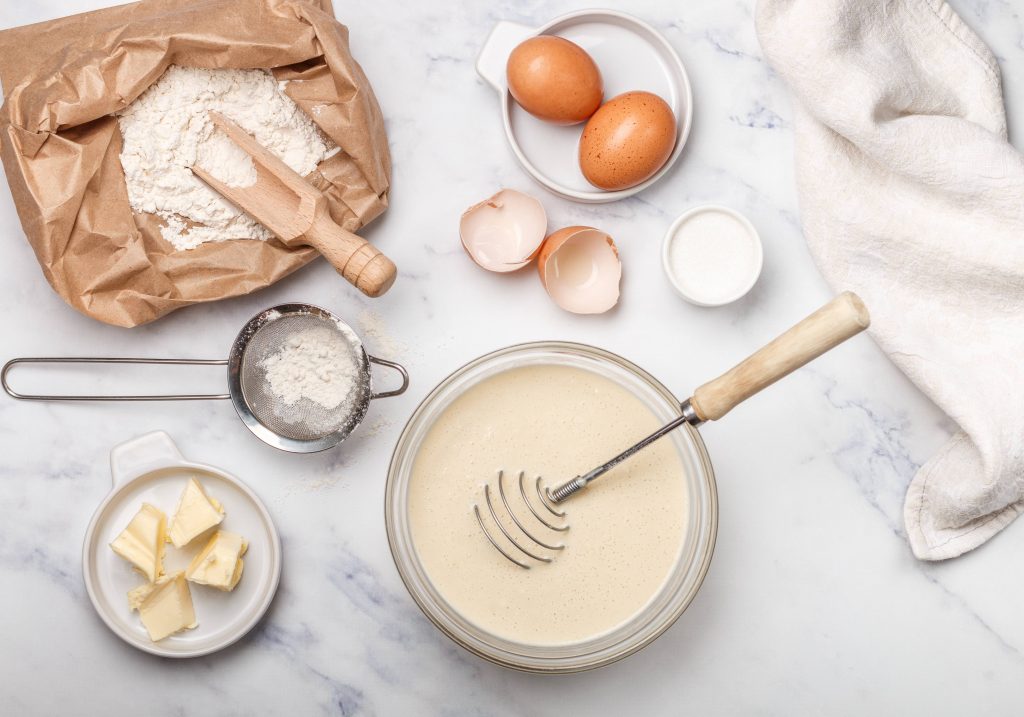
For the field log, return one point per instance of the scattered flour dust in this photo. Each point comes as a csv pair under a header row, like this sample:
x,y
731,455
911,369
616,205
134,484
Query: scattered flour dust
x,y
373,326
381,424
315,364
315,485
166,130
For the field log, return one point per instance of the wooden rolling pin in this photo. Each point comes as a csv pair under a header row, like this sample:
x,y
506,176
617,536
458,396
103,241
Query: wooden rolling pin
x,y
297,213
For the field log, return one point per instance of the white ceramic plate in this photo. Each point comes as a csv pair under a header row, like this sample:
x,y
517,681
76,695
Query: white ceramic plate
x,y
631,55
150,469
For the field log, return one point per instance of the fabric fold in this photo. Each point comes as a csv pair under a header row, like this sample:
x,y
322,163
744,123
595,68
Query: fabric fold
x,y
911,196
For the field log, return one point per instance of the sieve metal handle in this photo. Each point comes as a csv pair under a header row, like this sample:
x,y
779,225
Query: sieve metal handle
x,y
166,397
397,367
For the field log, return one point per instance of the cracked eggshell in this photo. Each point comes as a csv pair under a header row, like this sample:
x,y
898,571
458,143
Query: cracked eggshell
x,y
580,269
505,232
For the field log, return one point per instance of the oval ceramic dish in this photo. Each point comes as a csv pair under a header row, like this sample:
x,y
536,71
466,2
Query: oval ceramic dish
x,y
151,469
631,55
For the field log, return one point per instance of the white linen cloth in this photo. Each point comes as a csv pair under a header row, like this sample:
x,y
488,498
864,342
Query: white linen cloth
x,y
911,196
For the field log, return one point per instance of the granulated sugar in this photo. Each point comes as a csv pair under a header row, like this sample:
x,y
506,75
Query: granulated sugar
x,y
167,130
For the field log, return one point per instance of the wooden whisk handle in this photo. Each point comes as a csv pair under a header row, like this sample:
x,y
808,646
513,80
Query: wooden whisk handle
x,y
835,322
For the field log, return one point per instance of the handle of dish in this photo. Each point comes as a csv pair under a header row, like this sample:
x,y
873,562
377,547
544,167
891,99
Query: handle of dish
x,y
835,322
401,372
140,455
490,63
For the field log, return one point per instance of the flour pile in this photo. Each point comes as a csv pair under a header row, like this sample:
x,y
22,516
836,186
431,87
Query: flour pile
x,y
316,364
167,130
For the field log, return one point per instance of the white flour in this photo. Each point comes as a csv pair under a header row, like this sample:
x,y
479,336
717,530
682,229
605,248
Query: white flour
x,y
167,130
316,364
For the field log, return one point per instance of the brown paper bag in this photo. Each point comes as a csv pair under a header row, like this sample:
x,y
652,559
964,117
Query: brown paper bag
x,y
60,145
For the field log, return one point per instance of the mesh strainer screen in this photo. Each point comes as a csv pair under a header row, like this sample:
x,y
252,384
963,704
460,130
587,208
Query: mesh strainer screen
x,y
303,420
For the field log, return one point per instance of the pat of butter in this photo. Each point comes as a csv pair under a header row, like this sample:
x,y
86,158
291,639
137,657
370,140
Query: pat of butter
x,y
164,606
142,542
219,564
196,513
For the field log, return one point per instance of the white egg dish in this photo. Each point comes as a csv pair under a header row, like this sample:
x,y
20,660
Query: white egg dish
x,y
631,56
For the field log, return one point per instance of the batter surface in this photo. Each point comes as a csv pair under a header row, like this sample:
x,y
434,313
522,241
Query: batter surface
x,y
627,527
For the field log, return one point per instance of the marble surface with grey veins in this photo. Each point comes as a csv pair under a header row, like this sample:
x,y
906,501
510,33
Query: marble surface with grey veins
x,y
813,603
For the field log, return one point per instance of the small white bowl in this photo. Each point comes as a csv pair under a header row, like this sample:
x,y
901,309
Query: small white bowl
x,y
748,254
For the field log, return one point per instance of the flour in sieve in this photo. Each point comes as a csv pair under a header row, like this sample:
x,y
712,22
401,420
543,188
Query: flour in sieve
x,y
315,364
167,130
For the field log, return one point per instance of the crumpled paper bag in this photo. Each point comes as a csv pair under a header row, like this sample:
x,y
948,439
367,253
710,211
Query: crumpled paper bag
x,y
59,142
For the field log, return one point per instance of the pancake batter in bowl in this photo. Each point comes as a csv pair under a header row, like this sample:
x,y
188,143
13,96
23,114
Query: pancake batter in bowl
x,y
627,528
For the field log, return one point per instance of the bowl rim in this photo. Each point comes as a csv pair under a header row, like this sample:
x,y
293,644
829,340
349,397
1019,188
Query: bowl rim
x,y
709,481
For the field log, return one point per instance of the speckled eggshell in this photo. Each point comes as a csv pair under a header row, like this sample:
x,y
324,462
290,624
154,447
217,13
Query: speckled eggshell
x,y
627,140
554,80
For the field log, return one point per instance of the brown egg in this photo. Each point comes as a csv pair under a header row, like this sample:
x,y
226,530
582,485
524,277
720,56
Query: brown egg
x,y
627,140
554,79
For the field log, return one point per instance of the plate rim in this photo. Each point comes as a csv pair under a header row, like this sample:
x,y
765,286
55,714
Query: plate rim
x,y
154,648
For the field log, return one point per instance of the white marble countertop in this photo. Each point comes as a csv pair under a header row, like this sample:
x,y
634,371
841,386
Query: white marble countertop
x,y
813,603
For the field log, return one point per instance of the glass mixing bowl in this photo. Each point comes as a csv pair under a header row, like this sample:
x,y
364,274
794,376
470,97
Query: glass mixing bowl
x,y
665,606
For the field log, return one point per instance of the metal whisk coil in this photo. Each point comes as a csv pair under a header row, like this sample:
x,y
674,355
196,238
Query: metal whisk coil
x,y
512,529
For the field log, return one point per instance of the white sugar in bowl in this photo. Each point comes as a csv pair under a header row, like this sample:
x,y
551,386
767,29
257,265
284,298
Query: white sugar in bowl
x,y
712,255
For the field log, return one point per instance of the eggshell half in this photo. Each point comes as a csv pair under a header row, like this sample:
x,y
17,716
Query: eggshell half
x,y
580,269
503,233
627,140
554,80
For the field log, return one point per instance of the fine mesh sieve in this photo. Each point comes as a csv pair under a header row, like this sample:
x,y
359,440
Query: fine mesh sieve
x,y
303,426
304,420
299,426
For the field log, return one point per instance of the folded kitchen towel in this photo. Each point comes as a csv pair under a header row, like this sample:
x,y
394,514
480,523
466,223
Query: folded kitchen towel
x,y
911,196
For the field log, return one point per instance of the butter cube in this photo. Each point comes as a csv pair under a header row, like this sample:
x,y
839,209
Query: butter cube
x,y
196,513
219,564
164,606
142,542
137,596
